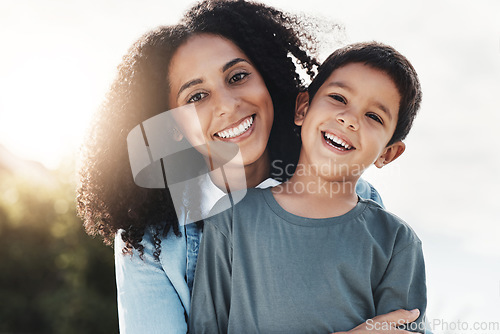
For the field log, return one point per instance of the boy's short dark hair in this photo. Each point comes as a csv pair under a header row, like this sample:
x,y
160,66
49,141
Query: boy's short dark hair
x,y
388,60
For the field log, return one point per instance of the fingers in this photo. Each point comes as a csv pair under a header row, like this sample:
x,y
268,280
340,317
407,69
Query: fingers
x,y
398,317
365,329
392,331
386,323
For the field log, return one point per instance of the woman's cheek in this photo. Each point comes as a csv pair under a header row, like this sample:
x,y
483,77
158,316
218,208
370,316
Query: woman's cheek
x,y
192,123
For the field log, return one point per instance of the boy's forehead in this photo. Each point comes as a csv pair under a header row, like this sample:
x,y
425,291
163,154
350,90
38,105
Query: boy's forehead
x,y
347,69
349,75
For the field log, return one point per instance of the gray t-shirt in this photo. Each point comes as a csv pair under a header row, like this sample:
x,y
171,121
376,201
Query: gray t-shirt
x,y
262,269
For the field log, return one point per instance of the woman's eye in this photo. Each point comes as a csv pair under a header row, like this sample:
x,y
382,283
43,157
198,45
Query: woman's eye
x,y
196,97
339,98
237,77
375,117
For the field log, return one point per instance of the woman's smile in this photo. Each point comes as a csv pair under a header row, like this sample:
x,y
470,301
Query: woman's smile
x,y
237,131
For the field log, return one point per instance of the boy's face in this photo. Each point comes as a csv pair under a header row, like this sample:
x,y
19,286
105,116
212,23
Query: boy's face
x,y
349,122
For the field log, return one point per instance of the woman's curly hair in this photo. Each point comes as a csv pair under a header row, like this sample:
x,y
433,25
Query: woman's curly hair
x,y
108,200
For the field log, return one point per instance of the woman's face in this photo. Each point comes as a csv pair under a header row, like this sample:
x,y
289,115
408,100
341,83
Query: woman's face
x,y
213,77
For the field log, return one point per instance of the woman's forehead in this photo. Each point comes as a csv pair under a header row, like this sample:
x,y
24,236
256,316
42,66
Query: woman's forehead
x,y
202,54
204,46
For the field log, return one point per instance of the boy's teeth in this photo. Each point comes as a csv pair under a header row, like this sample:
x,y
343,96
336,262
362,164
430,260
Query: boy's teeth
x,y
337,140
236,131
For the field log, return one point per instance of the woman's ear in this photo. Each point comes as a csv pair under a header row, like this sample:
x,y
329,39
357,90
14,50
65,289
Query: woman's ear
x,y
176,134
391,153
301,106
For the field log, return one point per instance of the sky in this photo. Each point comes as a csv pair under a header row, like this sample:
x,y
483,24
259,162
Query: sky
x,y
59,57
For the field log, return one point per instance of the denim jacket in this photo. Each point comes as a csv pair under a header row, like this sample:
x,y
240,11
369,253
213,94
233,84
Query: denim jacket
x,y
154,297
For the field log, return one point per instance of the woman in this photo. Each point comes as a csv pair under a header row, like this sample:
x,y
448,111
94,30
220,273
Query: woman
x,y
154,283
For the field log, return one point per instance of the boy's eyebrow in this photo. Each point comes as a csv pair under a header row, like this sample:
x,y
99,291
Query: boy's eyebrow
x,y
339,84
346,87
383,108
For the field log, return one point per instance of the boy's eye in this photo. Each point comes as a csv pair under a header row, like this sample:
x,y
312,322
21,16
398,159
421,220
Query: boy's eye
x,y
339,98
238,76
375,117
196,97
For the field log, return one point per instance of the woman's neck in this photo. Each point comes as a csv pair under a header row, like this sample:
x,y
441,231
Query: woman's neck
x,y
258,171
233,176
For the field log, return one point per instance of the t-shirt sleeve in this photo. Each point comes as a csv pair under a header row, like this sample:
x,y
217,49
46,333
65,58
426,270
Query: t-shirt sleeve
x,y
403,285
212,285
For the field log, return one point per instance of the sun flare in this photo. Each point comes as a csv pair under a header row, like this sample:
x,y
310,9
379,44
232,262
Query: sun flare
x,y
48,106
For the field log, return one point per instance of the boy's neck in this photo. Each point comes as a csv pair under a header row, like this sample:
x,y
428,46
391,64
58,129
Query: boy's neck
x,y
308,194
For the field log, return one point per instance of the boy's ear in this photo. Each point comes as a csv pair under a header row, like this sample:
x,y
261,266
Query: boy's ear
x,y
301,106
391,153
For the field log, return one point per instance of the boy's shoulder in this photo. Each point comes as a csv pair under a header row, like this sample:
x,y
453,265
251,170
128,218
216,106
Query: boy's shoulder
x,y
385,223
230,206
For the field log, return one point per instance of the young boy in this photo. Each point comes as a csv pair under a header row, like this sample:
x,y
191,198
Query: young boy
x,y
310,256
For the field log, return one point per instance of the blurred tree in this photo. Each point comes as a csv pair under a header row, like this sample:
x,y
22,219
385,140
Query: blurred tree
x,y
54,278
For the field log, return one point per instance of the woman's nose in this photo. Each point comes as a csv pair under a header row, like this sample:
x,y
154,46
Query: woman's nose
x,y
225,103
349,120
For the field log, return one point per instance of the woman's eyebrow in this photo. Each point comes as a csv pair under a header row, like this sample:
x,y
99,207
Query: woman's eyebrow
x,y
189,84
226,66
233,62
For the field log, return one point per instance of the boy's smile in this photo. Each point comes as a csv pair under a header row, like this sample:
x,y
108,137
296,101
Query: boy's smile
x,y
350,120
337,142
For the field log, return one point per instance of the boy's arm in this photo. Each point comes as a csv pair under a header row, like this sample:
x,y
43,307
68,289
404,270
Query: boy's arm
x,y
403,285
212,284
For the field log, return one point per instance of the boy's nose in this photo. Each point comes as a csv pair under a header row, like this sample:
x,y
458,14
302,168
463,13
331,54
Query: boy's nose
x,y
349,120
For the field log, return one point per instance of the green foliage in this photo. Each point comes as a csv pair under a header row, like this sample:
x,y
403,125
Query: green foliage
x,y
53,277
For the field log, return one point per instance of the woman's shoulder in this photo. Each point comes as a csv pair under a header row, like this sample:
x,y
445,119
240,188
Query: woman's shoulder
x,y
171,244
268,183
367,191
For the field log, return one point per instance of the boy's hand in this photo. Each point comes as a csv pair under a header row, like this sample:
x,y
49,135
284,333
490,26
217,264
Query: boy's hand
x,y
386,323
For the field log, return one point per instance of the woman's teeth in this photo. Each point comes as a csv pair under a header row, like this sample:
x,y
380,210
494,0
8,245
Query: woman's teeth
x,y
236,131
336,141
